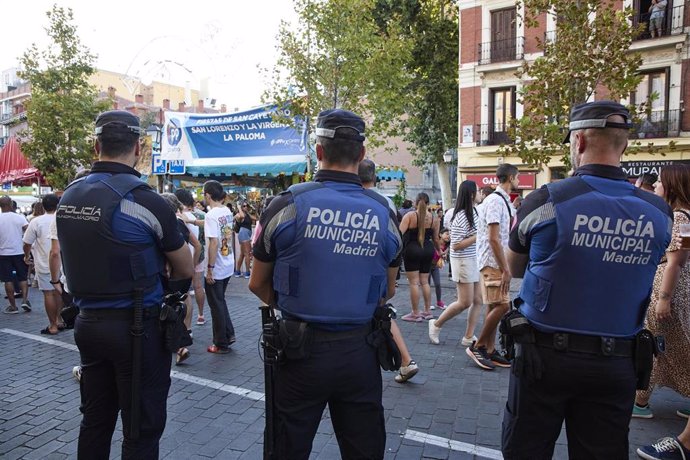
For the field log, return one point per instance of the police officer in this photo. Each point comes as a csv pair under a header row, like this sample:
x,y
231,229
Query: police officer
x,y
116,235
326,255
588,247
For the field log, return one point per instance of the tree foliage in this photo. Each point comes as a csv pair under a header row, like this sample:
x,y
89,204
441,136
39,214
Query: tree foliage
x,y
395,61
63,104
336,58
590,51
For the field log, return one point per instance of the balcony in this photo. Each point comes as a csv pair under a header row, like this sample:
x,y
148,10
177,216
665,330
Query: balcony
x,y
11,118
673,23
492,135
511,49
658,125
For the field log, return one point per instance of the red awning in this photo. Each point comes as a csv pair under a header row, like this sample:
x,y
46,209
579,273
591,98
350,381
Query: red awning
x,y
14,167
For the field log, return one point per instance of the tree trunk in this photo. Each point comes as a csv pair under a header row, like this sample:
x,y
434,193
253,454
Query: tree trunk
x,y
444,182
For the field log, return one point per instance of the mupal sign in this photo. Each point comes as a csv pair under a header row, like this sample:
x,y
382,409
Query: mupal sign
x,y
259,132
638,168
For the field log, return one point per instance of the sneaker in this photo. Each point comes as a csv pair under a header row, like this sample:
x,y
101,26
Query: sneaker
x,y
642,412
440,305
685,413
465,342
665,449
200,320
236,274
407,372
434,332
246,275
191,292
11,310
412,317
76,373
432,307
26,306
498,359
480,357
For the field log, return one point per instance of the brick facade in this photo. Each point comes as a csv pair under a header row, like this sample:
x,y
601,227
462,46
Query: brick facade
x,y
470,34
534,35
470,100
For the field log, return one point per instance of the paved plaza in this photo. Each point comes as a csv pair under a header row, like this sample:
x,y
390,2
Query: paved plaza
x,y
450,410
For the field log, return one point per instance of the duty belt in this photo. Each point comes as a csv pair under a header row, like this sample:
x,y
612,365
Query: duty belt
x,y
605,346
320,335
118,313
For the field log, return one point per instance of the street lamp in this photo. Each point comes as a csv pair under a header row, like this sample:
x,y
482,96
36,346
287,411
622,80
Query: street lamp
x,y
449,157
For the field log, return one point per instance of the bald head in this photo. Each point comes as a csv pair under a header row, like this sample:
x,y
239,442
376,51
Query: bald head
x,y
5,203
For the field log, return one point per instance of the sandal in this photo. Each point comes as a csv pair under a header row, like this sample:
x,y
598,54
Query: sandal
x,y
426,315
217,350
46,331
412,317
182,355
200,320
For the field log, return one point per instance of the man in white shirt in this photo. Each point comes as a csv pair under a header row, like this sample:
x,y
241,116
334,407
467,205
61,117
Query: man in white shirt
x,y
493,229
37,241
12,226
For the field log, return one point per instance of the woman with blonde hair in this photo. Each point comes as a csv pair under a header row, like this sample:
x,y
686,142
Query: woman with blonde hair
x,y
420,237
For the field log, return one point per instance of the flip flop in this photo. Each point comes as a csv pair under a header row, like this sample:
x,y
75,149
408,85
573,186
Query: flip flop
x,y
46,331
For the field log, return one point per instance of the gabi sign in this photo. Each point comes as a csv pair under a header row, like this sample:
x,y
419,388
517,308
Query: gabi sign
x,y
528,180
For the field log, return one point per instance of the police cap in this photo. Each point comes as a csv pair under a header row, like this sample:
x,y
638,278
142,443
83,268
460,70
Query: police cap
x,y
595,115
118,120
329,122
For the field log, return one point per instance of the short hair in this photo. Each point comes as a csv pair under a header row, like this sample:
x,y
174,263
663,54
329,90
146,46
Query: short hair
x,y
339,150
487,190
5,202
504,171
215,189
172,201
367,171
50,202
616,137
407,204
115,143
185,197
649,179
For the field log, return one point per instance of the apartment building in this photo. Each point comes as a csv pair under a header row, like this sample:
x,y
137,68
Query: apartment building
x,y
494,44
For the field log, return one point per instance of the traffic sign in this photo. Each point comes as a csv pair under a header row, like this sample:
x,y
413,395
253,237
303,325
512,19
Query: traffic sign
x,y
158,165
176,167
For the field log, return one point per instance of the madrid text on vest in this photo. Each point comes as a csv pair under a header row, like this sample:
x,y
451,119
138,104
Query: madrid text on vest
x,y
605,233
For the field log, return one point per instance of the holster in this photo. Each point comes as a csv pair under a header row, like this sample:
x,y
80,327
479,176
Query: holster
x,y
646,347
381,338
295,339
172,315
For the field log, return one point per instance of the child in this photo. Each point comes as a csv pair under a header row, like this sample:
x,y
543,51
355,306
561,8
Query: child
x,y
437,265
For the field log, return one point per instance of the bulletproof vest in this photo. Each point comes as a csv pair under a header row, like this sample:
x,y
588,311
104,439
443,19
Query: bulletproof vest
x,y
335,270
598,279
97,264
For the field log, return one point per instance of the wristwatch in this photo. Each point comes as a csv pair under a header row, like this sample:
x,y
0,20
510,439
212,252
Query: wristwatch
x,y
54,282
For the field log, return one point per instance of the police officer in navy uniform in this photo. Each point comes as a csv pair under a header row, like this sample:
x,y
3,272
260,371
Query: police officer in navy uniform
x,y
326,254
587,248
116,235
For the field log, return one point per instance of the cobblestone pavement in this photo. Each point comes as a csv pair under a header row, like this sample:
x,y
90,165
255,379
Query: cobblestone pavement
x,y
450,410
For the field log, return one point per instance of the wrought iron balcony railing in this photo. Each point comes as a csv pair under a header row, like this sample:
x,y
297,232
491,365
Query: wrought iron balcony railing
x,y
672,23
657,124
510,49
493,134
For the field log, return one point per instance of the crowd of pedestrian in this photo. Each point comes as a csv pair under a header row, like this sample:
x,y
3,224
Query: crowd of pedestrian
x,y
574,338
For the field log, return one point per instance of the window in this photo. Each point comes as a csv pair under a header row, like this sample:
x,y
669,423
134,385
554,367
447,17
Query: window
x,y
642,13
502,112
650,95
503,35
